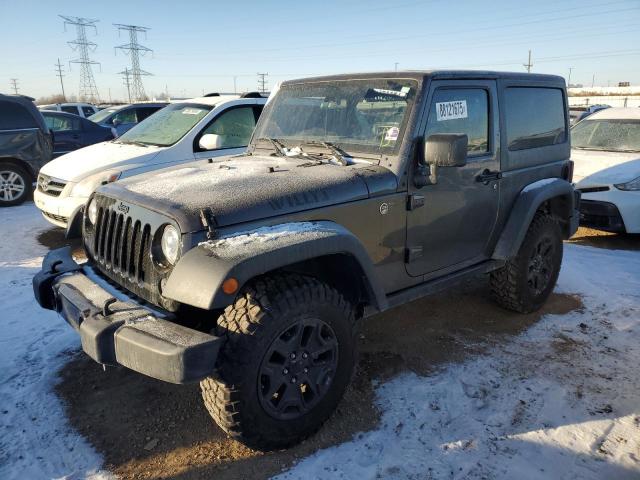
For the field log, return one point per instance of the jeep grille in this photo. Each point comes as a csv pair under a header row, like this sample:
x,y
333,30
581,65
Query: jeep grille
x,y
120,246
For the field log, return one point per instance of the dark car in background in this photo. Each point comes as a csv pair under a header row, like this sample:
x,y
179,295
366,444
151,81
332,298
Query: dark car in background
x,y
26,144
123,118
72,132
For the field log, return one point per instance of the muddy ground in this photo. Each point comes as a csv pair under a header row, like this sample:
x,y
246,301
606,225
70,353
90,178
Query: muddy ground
x,y
146,429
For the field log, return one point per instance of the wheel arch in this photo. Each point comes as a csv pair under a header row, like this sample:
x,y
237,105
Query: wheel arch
x,y
20,163
554,196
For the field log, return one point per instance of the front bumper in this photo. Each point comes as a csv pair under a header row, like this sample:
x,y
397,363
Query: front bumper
x,y
117,331
601,216
58,210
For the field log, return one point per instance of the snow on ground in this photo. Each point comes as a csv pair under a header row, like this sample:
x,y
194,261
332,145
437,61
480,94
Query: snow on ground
x,y
561,401
35,439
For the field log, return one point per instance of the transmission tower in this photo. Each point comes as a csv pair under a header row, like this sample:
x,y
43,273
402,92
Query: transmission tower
x,y
14,85
88,89
262,82
134,50
60,73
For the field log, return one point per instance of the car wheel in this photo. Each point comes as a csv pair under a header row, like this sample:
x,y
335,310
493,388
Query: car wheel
x,y
289,356
15,185
526,281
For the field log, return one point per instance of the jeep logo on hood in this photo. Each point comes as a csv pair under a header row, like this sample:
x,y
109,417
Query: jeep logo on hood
x,y
122,207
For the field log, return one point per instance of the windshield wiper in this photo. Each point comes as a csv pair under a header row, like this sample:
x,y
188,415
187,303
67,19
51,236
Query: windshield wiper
x,y
281,149
140,144
339,154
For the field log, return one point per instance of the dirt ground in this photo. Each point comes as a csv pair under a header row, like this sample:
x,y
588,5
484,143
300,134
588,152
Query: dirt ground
x,y
146,429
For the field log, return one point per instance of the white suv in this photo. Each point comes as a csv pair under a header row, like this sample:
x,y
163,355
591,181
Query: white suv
x,y
81,109
199,128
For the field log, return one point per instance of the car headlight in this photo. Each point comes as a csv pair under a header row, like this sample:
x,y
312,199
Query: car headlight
x,y
632,185
170,243
85,187
92,211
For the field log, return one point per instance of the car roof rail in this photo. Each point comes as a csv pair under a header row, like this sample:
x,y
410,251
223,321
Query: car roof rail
x,y
251,95
212,94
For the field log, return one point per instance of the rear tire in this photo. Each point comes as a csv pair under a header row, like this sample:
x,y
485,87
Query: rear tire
x,y
15,185
289,356
527,280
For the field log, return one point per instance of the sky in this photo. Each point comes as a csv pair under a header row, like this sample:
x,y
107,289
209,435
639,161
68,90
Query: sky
x,y
201,46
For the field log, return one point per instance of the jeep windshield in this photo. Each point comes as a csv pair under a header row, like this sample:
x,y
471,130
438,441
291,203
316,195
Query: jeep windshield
x,y
358,116
613,135
167,125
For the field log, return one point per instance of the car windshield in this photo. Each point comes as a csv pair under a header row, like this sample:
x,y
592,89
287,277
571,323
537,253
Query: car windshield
x,y
102,114
366,116
616,135
166,126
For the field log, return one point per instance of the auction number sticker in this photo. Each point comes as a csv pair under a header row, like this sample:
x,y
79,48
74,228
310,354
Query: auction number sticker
x,y
451,110
191,111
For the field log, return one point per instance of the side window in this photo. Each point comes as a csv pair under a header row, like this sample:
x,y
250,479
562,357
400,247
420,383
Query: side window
x,y
88,111
234,126
62,124
145,112
15,116
461,110
126,116
69,109
535,117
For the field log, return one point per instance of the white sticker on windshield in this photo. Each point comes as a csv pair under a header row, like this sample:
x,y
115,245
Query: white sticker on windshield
x,y
392,134
451,110
191,111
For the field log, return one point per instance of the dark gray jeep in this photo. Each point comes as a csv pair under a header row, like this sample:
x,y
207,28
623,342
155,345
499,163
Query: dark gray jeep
x,y
357,193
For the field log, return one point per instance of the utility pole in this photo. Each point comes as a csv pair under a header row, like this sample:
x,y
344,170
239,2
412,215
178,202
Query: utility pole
x,y
569,79
528,64
14,85
262,82
396,66
127,82
134,50
593,80
59,73
235,89
88,89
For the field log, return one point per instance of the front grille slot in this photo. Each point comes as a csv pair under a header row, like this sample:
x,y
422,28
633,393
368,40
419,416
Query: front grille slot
x,y
50,186
120,247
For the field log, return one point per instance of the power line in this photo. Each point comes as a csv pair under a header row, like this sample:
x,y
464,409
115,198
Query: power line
x,y
59,73
262,82
14,85
88,89
134,50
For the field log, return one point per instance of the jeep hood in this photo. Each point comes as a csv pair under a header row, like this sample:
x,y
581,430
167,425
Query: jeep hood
x,y
592,167
79,164
247,188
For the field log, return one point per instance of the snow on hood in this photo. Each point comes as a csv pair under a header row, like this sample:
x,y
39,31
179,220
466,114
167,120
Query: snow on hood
x,y
603,168
79,164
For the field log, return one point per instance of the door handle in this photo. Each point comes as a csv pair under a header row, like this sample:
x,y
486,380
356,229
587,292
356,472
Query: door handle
x,y
487,176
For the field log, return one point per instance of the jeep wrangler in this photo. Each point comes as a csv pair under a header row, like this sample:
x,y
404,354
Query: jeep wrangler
x,y
250,273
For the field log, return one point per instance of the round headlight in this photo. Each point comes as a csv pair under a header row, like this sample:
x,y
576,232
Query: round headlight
x,y
170,243
92,212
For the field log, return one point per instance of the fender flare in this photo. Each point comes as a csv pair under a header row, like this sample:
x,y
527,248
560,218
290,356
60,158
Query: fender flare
x,y
524,209
74,224
197,278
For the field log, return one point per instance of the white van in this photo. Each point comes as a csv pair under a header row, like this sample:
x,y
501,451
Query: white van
x,y
181,132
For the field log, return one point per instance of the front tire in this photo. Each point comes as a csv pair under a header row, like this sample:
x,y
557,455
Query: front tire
x,y
14,185
527,280
289,356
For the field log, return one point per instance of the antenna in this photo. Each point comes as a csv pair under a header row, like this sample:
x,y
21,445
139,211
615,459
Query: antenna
x,y
88,89
134,50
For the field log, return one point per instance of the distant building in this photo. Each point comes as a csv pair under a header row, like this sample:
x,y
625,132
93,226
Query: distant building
x,y
624,84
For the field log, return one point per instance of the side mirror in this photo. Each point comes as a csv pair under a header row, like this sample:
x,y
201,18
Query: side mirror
x,y
441,150
210,141
446,150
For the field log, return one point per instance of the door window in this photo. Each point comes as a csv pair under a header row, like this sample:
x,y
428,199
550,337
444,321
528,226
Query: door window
x,y
234,126
88,111
143,113
70,109
62,124
461,110
126,116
